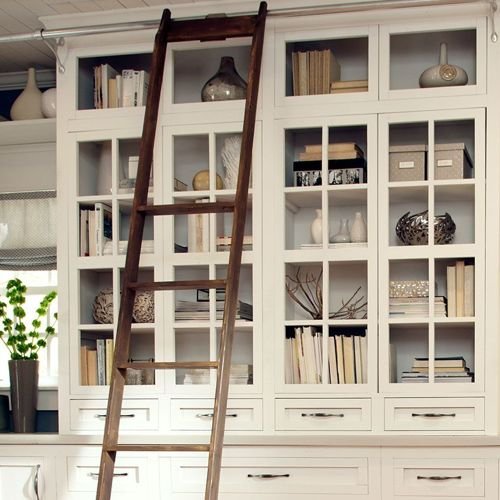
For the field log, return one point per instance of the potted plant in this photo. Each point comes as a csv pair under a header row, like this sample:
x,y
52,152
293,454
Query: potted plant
x,y
24,342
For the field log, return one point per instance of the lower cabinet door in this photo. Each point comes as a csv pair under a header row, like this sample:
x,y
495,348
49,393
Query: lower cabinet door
x,y
21,481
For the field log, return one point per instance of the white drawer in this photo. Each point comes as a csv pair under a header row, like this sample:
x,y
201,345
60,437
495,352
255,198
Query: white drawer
x,y
431,414
323,414
277,476
241,414
439,478
137,414
131,475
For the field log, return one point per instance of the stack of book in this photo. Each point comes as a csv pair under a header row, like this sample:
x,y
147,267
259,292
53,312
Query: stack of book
x,y
336,151
416,306
224,242
96,361
460,289
119,90
347,357
96,229
241,374
346,86
313,71
186,310
446,369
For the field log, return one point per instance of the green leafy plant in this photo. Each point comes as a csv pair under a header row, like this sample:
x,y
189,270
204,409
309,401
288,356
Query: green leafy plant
x,y
24,341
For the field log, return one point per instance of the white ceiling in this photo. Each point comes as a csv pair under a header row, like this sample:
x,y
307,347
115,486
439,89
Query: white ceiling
x,y
21,16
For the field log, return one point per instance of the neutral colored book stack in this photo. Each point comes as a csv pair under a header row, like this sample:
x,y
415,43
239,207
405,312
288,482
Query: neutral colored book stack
x,y
96,362
451,369
186,310
223,243
313,71
416,306
116,90
241,374
347,86
199,230
347,358
96,230
460,289
336,151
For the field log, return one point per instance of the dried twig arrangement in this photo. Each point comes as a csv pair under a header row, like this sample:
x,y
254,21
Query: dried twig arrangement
x,y
306,291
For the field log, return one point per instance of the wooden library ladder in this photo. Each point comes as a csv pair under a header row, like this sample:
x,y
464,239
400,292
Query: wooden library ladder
x,y
170,30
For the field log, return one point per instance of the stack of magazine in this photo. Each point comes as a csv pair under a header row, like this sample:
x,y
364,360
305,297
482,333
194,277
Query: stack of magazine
x,y
200,311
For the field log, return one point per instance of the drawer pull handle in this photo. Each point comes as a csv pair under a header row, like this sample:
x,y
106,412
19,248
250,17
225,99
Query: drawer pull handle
x,y
267,476
95,475
35,482
439,478
433,415
123,415
210,415
323,415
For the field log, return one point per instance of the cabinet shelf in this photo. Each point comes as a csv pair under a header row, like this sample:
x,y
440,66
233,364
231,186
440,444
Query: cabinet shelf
x,y
27,132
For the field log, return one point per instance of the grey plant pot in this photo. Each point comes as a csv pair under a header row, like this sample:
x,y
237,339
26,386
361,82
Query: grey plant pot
x,y
23,393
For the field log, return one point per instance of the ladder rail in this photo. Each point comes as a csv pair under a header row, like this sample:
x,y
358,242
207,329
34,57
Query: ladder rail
x,y
122,343
233,270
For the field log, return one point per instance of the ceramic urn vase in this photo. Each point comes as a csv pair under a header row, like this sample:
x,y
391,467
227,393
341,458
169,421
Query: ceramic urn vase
x,y
28,105
317,228
444,74
225,85
358,231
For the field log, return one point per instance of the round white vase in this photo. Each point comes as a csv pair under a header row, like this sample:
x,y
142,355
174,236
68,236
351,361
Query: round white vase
x,y
358,231
28,105
444,74
49,101
317,228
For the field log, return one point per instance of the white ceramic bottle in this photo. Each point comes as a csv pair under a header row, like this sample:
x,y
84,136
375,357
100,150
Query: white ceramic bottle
x,y
28,105
358,231
317,227
343,235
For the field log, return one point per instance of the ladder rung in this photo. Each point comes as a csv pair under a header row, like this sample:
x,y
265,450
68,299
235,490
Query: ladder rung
x,y
216,28
169,365
178,285
158,447
188,208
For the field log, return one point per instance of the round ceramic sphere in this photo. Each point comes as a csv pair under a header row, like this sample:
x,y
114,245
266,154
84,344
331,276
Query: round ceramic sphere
x,y
49,99
102,309
201,181
144,307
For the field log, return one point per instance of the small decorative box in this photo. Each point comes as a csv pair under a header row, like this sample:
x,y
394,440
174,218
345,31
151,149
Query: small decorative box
x,y
350,171
407,163
413,288
452,161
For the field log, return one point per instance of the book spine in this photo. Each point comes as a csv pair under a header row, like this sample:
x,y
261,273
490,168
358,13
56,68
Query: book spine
x,y
469,290
109,359
460,288
101,361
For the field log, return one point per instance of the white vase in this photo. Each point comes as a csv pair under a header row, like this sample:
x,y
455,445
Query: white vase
x,y
317,227
49,100
28,105
358,229
444,74
343,235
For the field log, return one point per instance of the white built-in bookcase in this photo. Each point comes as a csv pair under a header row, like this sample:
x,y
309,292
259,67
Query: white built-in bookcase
x,y
390,52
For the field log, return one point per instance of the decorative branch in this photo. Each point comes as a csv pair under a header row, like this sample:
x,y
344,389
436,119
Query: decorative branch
x,y
305,289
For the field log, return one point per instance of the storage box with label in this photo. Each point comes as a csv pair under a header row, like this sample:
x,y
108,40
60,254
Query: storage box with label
x,y
408,162
452,161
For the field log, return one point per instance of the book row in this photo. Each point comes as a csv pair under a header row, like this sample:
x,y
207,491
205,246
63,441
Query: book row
x,y
96,229
346,357
460,289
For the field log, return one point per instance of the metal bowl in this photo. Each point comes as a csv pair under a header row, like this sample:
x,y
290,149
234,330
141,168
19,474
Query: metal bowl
x,y
414,229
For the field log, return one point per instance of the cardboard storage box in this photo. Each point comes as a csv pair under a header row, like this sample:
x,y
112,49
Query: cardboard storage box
x,y
407,162
452,161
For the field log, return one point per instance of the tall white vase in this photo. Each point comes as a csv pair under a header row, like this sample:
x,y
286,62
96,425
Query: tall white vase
x,y
28,105
358,231
317,227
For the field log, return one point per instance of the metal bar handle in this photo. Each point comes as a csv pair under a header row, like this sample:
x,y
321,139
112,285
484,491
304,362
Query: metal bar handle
x,y
267,476
36,481
323,415
439,478
210,415
434,415
115,474
123,415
